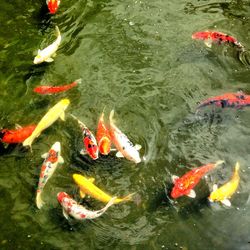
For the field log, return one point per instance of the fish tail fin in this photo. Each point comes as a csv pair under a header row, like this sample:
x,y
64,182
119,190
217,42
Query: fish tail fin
x,y
109,204
218,163
39,201
126,198
58,33
237,166
79,122
111,115
28,142
78,81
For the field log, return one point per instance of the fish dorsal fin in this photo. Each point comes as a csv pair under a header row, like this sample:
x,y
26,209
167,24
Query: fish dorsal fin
x,y
208,43
62,116
226,202
45,155
65,214
191,194
92,180
60,159
215,187
119,154
82,194
174,178
137,147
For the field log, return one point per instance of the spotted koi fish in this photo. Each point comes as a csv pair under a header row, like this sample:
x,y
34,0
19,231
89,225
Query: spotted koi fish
x,y
89,141
232,100
184,185
210,37
77,211
52,158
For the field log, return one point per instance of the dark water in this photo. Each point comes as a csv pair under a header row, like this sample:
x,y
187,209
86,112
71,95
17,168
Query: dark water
x,y
138,58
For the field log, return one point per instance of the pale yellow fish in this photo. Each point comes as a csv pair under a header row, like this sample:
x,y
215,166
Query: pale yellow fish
x,y
225,192
88,188
51,116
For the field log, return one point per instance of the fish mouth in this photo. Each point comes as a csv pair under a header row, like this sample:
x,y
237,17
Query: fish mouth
x,y
57,146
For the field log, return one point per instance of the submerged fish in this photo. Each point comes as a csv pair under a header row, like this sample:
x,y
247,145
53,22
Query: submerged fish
x,y
88,188
46,54
124,146
103,137
225,192
53,5
77,211
184,185
210,37
232,100
18,135
52,158
48,90
50,117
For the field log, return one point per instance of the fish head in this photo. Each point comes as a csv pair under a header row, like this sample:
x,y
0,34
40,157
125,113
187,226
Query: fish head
x,y
104,145
176,192
38,59
91,147
56,147
80,180
53,6
61,196
201,35
65,102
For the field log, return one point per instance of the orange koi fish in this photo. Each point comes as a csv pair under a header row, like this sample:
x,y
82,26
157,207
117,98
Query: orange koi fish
x,y
184,185
53,5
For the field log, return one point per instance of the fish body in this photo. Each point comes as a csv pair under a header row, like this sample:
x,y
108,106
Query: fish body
x,y
89,141
17,135
210,37
226,191
77,211
88,188
124,146
103,137
52,158
184,185
231,100
48,90
53,5
46,54
57,111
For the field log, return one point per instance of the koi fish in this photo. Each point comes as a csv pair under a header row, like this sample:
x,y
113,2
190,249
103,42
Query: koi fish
x,y
210,37
77,211
232,100
103,137
48,90
124,146
53,5
52,158
184,185
50,117
88,188
225,192
46,54
89,141
16,135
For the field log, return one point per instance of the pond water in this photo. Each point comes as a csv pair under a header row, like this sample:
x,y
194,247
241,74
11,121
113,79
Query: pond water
x,y
138,58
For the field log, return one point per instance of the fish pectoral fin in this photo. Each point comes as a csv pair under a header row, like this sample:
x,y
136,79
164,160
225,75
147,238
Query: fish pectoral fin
x,y
137,147
45,155
174,178
62,116
191,194
65,214
49,59
82,194
215,187
92,180
119,154
226,202
83,152
208,43
60,160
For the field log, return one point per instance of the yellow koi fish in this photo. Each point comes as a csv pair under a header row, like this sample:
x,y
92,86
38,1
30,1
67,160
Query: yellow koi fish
x,y
225,192
51,116
88,188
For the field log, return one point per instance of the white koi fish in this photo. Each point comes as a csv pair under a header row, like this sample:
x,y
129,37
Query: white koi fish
x,y
124,146
52,158
46,54
79,212
50,117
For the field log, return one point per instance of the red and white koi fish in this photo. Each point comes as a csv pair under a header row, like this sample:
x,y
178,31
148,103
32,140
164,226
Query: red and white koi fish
x,y
103,137
211,37
77,211
16,135
52,158
48,90
53,5
124,146
89,141
184,185
232,100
